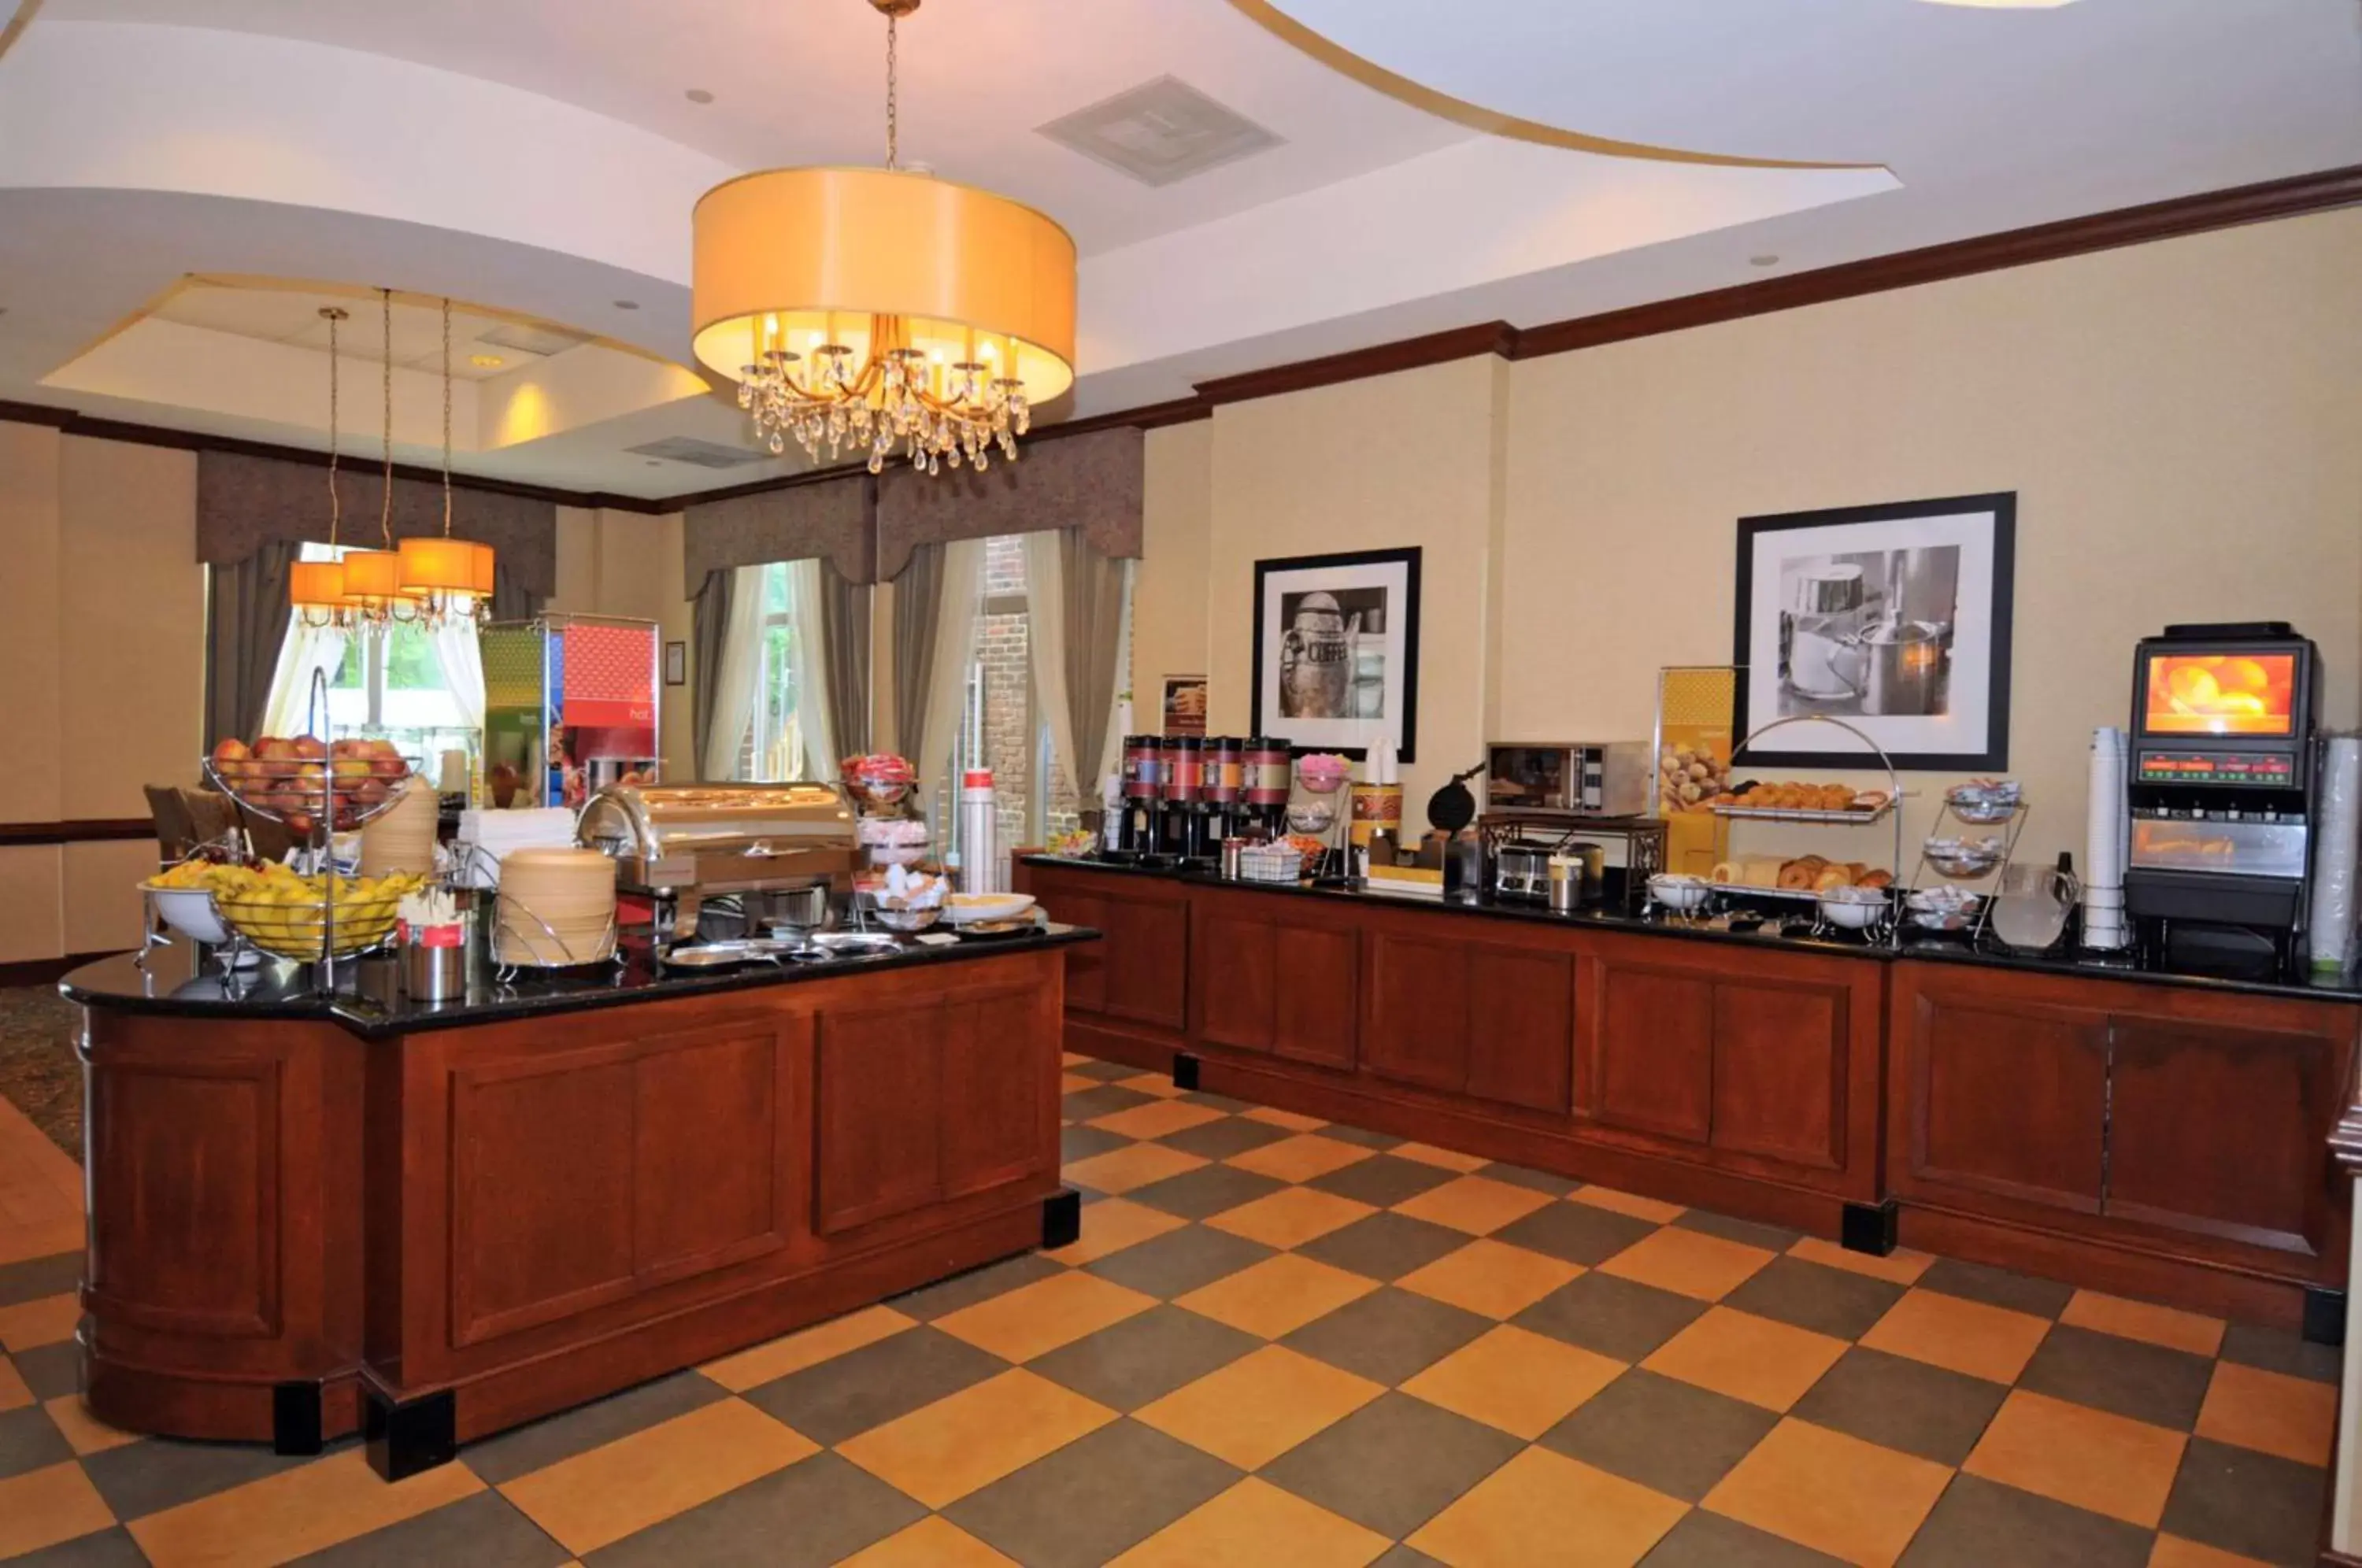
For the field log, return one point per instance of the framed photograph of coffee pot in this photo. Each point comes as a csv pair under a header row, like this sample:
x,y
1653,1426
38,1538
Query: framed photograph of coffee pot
x,y
1336,651
1894,618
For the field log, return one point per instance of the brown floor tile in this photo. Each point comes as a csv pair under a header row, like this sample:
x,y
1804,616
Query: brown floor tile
x,y
1144,1358
1474,1204
599,1497
1544,1507
482,1530
1363,1137
1383,1180
1114,1224
1131,1166
2172,1551
1300,1158
2293,1417
2124,1377
1979,1523
15,1393
43,1508
1997,1288
1654,1211
1104,1100
929,1302
1180,1261
1393,1464
149,1477
1386,1245
1259,1406
1902,1404
1156,1119
1076,1145
1203,1193
56,1370
42,1238
298,1511
849,1394
1277,1296
1748,1232
1035,1319
946,1450
1160,1085
1900,1266
1070,1083
1575,1233
1709,1540
1290,1217
36,1278
1746,1357
1518,1381
2274,1349
2077,1455
1491,1278
1254,1524
85,1432
2240,1500
2166,1326
1836,1494
1670,1437
933,1542
1966,1336
1292,1122
1810,1295
1687,1263
806,1347
1220,1140
1388,1335
1615,1317
1093,1499
1442,1159
31,1441
46,1321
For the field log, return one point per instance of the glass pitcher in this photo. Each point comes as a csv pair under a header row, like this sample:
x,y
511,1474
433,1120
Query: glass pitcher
x,y
2030,907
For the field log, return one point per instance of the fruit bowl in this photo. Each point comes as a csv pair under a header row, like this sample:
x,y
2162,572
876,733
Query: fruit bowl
x,y
297,926
189,911
1324,773
292,780
878,781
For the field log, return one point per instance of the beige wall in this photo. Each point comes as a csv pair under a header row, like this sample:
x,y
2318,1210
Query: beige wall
x,y
102,633
627,563
2178,421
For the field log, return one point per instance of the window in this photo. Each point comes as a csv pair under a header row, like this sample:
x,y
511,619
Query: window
x,y
775,742
395,685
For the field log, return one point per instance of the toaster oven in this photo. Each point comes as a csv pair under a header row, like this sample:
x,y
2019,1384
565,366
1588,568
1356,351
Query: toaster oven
x,y
1609,779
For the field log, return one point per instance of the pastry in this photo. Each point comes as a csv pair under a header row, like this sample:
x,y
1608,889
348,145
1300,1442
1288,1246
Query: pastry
x,y
1798,877
1832,877
1722,872
1878,876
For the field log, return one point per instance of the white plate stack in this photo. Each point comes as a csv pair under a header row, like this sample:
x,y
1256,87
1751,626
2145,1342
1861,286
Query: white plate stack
x,y
402,837
558,907
2105,827
487,838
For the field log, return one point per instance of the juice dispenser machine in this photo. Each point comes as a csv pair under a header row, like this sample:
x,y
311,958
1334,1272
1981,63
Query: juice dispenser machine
x,y
571,707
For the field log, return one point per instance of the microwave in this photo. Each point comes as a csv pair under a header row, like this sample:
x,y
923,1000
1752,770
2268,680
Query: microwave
x,y
1605,779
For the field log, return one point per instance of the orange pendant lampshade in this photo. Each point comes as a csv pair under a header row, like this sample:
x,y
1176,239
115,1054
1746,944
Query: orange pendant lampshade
x,y
373,578
317,585
445,566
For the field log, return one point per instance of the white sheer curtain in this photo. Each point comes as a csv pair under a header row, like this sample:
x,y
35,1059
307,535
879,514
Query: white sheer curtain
x,y
808,668
462,658
740,676
962,600
1045,644
306,649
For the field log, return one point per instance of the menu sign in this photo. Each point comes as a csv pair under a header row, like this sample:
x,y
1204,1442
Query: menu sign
x,y
2221,694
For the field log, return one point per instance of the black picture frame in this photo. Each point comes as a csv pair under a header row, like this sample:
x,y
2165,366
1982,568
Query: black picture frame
x,y
1998,511
1267,637
676,664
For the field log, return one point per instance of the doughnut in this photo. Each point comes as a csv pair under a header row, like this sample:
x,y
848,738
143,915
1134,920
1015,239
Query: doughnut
x,y
1798,877
1832,877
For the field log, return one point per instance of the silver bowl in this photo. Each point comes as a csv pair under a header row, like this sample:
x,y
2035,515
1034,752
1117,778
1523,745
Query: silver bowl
x,y
1982,805
1682,895
1964,860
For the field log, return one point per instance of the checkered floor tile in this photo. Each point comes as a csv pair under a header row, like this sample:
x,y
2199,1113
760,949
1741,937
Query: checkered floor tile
x,y
1280,1341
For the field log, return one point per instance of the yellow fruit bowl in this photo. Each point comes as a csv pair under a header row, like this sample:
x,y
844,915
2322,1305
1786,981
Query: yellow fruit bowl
x,y
299,927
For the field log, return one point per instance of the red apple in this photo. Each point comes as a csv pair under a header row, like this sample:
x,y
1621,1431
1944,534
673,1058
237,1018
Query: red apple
x,y
309,747
299,823
370,792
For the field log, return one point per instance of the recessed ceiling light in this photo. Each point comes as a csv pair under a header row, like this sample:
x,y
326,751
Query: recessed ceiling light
x,y
485,361
697,95
1763,261
627,305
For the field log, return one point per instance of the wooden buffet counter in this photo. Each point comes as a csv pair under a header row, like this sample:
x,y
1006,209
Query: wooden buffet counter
x,y
2152,1135
439,1220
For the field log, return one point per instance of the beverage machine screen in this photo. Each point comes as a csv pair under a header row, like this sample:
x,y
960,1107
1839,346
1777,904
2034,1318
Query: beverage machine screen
x,y
2221,694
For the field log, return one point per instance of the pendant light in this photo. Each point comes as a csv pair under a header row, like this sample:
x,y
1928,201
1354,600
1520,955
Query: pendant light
x,y
315,590
373,578
451,579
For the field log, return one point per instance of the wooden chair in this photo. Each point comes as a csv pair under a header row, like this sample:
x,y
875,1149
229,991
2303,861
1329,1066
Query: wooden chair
x,y
176,831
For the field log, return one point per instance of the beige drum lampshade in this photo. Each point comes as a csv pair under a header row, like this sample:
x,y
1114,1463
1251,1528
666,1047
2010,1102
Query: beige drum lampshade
x,y
792,258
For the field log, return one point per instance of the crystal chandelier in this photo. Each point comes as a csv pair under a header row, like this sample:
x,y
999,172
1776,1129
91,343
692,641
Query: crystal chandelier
x,y
882,312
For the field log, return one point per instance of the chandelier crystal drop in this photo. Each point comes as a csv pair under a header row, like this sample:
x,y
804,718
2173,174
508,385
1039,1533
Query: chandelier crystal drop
x,y
881,312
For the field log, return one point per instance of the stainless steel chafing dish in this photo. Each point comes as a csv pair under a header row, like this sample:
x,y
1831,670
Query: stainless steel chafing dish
x,y
685,845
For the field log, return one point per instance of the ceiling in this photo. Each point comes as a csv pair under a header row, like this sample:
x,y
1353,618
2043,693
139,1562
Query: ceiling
x,y
538,158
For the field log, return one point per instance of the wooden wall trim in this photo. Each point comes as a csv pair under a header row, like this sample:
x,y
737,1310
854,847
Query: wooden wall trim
x,y
2326,190
47,971
85,830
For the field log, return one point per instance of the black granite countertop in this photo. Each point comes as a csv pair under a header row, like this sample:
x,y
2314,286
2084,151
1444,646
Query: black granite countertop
x,y
369,999
2343,987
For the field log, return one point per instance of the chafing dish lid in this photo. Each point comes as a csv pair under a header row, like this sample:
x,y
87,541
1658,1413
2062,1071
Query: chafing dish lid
x,y
656,820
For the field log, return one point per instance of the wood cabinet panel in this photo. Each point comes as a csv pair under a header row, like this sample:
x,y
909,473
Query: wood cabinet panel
x,y
1415,1019
706,1162
2222,1130
1521,1027
1086,978
877,1140
2005,1100
1779,1072
1147,960
542,1209
1235,964
1652,1058
996,1093
1316,994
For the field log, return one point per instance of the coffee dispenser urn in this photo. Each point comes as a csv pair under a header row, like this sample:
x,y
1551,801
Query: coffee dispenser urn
x,y
1184,800
1133,836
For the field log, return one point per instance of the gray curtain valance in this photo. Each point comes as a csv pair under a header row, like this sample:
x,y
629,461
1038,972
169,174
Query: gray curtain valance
x,y
831,520
244,502
1092,484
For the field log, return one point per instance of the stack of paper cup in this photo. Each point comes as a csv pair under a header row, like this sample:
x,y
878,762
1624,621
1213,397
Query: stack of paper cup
x,y
402,837
558,907
2104,925
2330,931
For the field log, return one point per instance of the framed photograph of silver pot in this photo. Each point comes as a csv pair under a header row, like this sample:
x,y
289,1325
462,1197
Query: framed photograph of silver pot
x,y
1336,651
1894,618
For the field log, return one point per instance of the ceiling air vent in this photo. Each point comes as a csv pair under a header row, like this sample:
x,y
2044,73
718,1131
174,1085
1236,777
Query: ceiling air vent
x,y
541,340
702,454
1158,132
